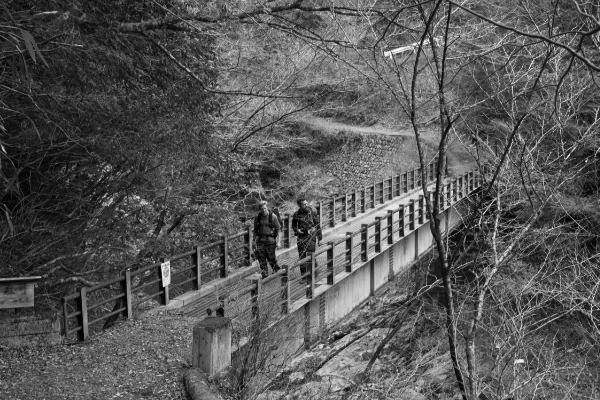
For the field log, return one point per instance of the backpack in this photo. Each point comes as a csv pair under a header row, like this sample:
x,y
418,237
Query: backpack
x,y
279,219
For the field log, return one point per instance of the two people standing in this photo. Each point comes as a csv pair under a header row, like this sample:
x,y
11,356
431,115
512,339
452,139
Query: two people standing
x,y
306,227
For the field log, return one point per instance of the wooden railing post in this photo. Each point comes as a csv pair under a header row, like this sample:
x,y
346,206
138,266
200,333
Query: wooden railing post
x,y
420,213
364,229
65,307
354,204
255,298
248,244
320,212
224,249
198,271
84,332
411,215
405,182
418,173
398,186
448,194
471,181
363,203
390,227
332,223
372,197
378,234
330,270
349,254
412,179
128,312
287,239
431,172
382,193
285,285
313,274
401,221
454,190
345,213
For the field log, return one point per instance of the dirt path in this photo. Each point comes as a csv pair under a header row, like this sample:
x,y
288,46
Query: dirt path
x,y
459,158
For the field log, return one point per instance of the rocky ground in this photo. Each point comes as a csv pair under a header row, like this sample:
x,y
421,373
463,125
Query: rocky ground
x,y
415,364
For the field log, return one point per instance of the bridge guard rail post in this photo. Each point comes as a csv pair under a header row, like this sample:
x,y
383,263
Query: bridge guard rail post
x,y
255,299
248,239
405,182
382,193
354,204
345,213
420,213
320,212
198,269
84,332
330,269
313,275
401,221
126,288
390,227
287,230
377,234
363,197
431,176
411,215
224,256
391,191
285,284
349,254
332,222
398,180
372,198
363,242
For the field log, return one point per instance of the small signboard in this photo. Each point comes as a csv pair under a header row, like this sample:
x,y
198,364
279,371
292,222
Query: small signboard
x,y
17,292
165,269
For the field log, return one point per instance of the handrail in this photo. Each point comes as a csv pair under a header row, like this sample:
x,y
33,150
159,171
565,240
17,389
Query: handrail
x,y
396,186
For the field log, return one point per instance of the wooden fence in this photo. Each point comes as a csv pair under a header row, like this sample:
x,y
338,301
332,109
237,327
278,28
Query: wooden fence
x,y
87,309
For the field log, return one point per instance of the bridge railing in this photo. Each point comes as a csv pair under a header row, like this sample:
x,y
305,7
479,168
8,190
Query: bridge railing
x,y
91,307
284,291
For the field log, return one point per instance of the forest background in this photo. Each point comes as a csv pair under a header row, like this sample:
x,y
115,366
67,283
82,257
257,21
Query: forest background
x,y
132,130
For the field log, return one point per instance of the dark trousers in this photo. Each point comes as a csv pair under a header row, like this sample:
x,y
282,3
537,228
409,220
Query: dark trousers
x,y
266,252
306,246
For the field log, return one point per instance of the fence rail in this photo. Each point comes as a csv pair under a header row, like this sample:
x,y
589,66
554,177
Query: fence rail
x,y
87,308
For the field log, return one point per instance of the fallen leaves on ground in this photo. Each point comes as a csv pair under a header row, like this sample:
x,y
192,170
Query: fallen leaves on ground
x,y
138,359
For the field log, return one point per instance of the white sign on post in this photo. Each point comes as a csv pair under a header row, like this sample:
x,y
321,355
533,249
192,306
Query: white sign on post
x,y
165,269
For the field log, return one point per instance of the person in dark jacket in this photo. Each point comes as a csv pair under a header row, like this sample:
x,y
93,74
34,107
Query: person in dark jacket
x,y
266,229
307,228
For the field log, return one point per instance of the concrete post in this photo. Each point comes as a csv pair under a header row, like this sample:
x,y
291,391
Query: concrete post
x,y
211,345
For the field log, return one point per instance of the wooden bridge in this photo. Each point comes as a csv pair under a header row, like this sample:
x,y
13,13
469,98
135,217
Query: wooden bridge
x,y
370,235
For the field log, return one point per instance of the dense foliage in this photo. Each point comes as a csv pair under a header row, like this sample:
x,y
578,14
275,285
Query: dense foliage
x,y
107,146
